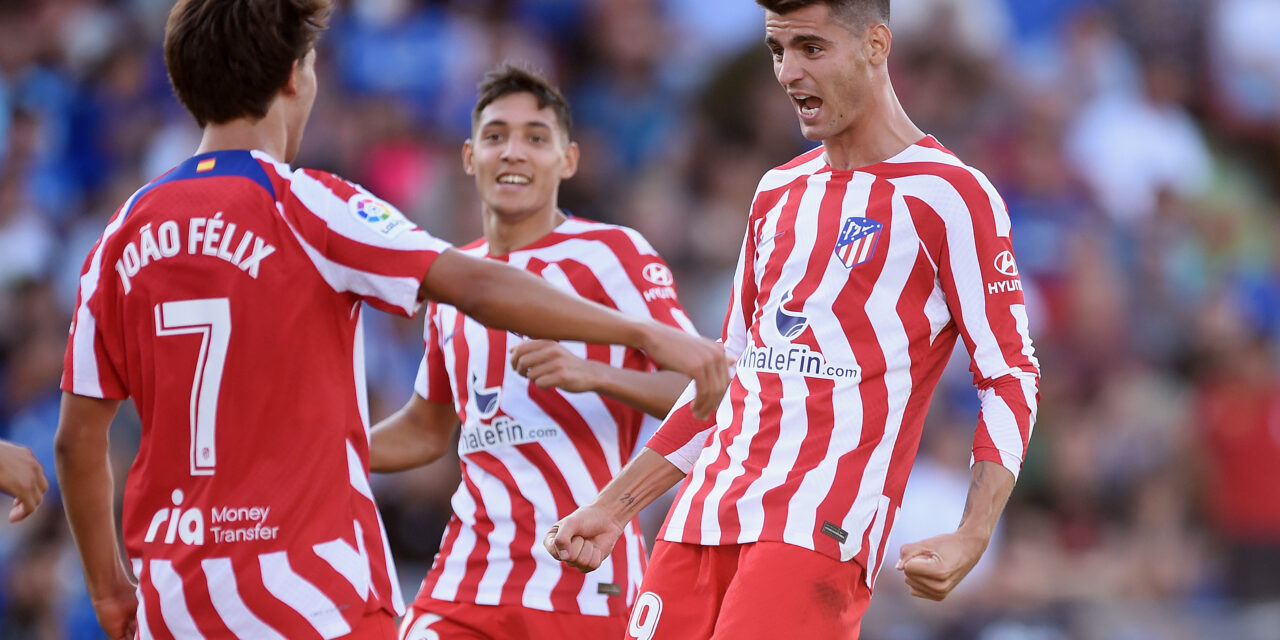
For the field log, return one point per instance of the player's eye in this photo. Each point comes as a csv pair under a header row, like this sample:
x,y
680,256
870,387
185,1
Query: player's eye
x,y
777,54
492,136
812,50
537,139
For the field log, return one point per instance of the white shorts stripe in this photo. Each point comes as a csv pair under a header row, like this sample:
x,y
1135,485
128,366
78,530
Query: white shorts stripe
x,y
144,630
230,606
347,561
173,602
301,596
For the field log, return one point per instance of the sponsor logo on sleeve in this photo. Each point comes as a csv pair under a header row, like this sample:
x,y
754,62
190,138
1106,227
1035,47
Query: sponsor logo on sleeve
x,y
1005,264
658,274
378,215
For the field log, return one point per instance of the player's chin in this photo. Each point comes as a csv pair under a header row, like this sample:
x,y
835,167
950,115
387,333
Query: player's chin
x,y
814,132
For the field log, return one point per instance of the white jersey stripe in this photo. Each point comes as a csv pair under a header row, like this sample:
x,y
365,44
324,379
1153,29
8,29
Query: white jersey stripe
x,y
301,596
173,601
455,562
144,628
874,536
221,578
85,365
895,344
348,561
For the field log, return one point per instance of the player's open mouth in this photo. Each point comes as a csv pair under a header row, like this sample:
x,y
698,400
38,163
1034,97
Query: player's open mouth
x,y
808,105
512,178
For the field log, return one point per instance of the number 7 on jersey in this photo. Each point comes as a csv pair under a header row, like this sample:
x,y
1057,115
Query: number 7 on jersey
x,y
211,318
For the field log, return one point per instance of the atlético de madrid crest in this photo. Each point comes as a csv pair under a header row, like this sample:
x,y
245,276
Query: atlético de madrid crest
x,y
857,241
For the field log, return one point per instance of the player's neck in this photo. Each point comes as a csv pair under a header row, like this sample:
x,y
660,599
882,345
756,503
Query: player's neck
x,y
268,135
883,133
510,233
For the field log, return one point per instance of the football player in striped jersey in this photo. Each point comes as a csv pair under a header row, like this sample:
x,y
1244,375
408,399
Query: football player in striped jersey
x,y
225,299
543,424
864,261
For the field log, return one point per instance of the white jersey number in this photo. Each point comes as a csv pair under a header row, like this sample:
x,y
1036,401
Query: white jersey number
x,y
211,318
644,616
419,630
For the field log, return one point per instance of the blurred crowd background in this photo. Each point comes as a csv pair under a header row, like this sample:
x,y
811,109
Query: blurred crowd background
x,y
1136,142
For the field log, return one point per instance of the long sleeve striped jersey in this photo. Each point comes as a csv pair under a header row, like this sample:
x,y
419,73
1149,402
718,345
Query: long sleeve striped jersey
x,y
851,291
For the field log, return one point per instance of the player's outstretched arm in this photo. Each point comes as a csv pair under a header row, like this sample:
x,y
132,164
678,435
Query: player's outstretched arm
x,y
415,435
504,297
22,477
547,364
586,537
88,495
934,567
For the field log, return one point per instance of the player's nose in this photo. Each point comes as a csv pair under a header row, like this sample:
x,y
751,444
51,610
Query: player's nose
x,y
513,150
790,69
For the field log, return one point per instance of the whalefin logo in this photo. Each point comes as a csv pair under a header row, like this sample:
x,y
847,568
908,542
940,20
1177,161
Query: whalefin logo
x,y
857,241
789,323
486,399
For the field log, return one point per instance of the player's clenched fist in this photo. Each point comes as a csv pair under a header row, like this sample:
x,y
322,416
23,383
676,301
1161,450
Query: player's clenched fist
x,y
699,358
935,566
547,364
583,539
22,477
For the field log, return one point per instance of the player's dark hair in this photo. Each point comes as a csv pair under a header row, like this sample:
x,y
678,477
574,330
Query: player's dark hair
x,y
508,78
227,59
848,11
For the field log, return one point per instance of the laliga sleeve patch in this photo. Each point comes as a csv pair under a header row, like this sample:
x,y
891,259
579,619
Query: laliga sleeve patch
x,y
378,215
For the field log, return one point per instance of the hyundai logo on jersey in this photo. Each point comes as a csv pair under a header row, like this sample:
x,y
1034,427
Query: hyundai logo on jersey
x,y
857,241
486,399
790,324
1005,264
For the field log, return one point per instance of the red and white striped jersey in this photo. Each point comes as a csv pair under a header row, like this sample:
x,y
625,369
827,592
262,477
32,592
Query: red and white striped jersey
x,y
531,456
852,289
225,298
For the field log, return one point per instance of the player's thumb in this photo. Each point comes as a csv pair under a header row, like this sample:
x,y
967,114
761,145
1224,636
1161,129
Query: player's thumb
x,y
911,552
560,538
550,541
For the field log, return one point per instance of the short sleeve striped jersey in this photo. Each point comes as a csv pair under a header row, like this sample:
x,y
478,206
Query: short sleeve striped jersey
x,y
530,456
225,299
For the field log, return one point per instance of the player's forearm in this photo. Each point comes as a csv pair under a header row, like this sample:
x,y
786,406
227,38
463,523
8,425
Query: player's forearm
x,y
84,473
416,435
503,297
989,487
653,392
646,477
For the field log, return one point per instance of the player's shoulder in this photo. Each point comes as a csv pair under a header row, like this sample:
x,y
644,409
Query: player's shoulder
x,y
477,247
930,172
805,164
930,157
614,238
339,201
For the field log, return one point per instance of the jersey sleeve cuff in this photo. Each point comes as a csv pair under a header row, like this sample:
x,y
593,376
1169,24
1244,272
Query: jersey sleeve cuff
x,y
1010,461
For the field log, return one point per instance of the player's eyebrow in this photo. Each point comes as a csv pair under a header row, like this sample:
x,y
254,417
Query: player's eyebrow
x,y
503,123
798,40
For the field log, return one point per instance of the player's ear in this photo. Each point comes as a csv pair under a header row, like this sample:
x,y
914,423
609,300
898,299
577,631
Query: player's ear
x,y
291,83
878,42
466,158
571,155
